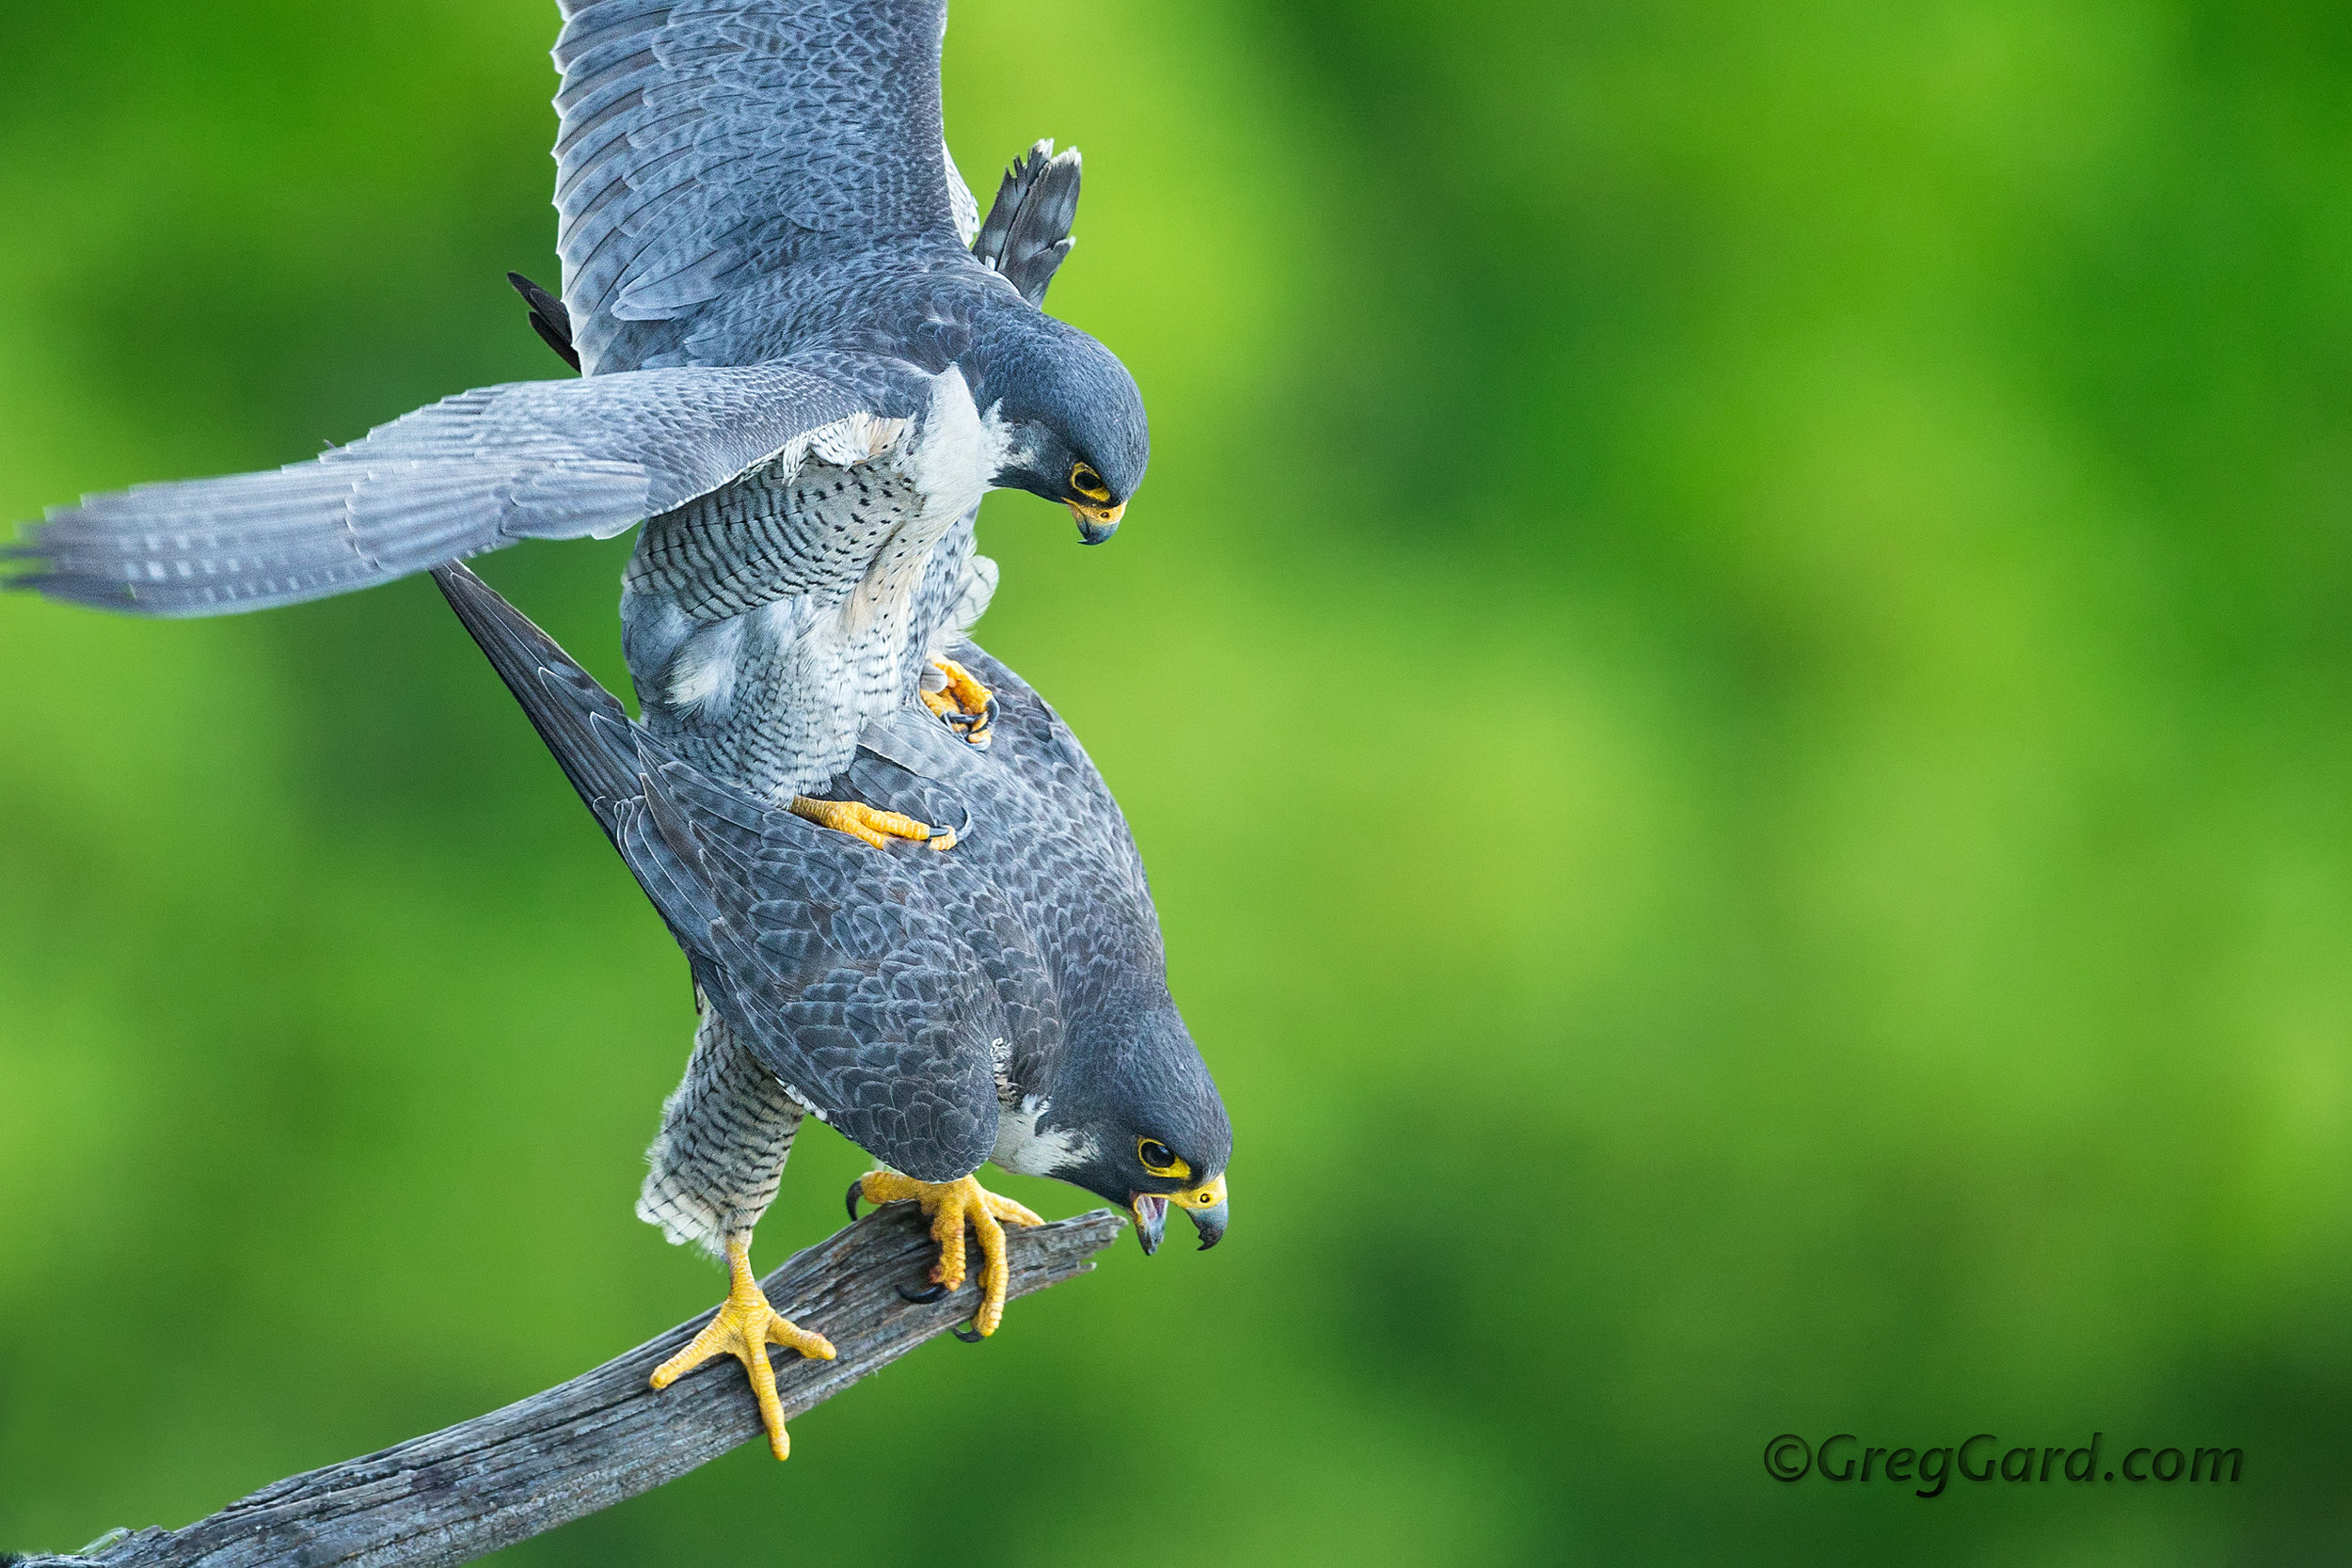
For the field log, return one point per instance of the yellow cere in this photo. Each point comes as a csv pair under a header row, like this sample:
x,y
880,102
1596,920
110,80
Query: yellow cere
x,y
1206,1195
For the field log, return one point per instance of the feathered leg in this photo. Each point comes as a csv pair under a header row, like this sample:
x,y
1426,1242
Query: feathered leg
x,y
724,1137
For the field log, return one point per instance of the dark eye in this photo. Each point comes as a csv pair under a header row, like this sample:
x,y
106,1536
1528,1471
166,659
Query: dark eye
x,y
1083,480
1157,1157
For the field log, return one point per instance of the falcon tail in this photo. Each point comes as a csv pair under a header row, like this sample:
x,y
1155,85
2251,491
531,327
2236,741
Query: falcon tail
x,y
1027,231
581,722
549,318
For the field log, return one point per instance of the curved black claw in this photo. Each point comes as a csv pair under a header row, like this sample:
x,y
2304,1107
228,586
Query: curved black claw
x,y
975,728
857,1190
944,837
969,1336
924,1297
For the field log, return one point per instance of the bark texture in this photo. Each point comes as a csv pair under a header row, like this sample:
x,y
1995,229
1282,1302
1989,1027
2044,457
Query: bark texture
x,y
604,1437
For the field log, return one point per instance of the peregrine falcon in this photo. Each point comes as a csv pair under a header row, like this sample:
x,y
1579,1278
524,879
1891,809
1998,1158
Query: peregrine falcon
x,y
1006,1003
796,372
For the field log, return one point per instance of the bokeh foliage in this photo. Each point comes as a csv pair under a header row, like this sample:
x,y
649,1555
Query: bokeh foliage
x,y
1735,674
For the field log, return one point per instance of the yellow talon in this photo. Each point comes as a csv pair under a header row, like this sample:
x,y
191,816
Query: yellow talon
x,y
963,704
950,1206
744,1327
877,828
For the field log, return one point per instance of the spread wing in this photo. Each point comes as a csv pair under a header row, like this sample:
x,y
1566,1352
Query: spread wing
x,y
850,984
711,146
528,460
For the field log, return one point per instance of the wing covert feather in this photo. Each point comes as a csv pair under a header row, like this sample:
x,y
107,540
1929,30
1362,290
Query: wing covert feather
x,y
854,989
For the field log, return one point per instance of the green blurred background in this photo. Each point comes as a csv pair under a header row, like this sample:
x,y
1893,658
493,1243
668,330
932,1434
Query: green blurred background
x,y
1734,675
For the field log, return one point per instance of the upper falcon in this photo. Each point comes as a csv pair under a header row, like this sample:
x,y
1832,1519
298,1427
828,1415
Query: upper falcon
x,y
795,368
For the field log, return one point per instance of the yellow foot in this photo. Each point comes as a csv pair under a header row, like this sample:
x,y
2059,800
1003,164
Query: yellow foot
x,y
963,704
745,1327
877,828
950,1206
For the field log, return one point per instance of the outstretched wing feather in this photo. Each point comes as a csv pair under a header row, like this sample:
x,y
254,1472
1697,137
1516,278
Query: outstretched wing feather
x,y
527,460
708,145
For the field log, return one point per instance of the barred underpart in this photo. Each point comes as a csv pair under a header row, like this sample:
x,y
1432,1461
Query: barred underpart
x,y
811,519
726,1134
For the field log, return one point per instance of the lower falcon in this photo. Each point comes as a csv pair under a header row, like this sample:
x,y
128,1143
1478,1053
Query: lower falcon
x,y
1008,1002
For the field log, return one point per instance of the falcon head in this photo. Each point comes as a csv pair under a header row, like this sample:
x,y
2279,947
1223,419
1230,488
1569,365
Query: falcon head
x,y
1146,1125
1071,418
1203,1200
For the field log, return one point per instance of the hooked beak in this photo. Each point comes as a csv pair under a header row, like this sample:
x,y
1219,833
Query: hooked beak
x,y
1097,523
1205,1203
1151,1220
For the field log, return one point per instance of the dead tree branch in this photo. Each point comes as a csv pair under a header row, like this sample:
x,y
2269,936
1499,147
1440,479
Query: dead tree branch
x,y
604,1437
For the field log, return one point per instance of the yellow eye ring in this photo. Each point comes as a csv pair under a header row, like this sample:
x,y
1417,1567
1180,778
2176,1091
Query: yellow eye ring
x,y
1159,1159
1089,484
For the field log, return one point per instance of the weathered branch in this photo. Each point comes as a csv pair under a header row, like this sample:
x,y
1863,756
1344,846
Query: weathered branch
x,y
604,1437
